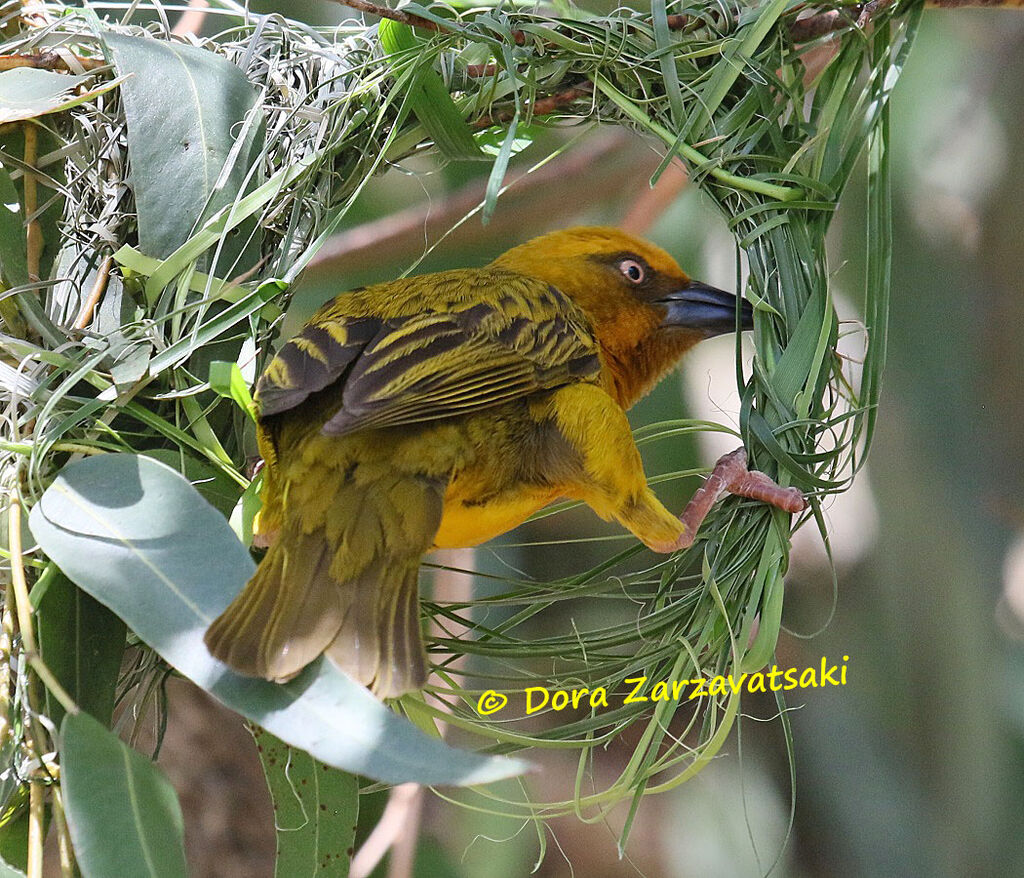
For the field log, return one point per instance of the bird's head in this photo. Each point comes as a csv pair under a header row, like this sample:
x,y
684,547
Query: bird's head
x,y
645,311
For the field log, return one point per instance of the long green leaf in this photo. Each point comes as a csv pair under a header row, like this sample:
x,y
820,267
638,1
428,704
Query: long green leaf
x,y
185,108
138,537
82,643
316,808
27,92
497,175
122,812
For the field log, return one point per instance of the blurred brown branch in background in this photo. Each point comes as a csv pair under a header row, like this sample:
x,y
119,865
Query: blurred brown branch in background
x,y
652,202
191,21
542,106
614,165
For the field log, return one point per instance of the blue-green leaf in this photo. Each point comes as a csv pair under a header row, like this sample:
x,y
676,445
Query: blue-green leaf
x,y
138,537
28,92
185,108
8,871
123,814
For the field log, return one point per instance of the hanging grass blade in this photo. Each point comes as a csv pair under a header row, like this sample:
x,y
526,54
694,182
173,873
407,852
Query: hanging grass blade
x,y
497,175
429,99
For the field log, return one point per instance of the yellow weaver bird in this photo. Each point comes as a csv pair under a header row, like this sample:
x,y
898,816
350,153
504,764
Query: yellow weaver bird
x,y
442,410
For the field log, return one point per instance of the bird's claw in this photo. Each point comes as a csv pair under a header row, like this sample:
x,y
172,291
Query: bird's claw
x,y
730,475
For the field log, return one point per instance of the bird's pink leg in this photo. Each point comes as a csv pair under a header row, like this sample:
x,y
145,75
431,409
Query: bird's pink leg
x,y
731,476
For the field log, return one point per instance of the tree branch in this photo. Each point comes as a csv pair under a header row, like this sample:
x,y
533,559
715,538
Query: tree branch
x,y
802,30
542,106
47,61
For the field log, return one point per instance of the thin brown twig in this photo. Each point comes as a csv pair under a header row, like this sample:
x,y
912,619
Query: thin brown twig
x,y
7,630
804,30
34,14
191,22
33,731
801,30
34,232
392,14
481,70
36,826
542,106
102,276
64,849
48,61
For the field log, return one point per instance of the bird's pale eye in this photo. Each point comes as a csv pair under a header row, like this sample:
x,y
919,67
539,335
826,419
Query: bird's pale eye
x,y
633,270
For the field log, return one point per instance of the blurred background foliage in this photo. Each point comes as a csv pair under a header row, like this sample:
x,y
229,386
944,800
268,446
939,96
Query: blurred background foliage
x,y
916,766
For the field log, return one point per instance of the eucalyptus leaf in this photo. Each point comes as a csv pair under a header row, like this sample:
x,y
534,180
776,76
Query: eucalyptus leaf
x,y
13,268
27,92
123,814
82,643
185,109
8,871
139,538
316,809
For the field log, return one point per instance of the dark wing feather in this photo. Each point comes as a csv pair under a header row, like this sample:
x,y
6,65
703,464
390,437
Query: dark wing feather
x,y
434,364
312,360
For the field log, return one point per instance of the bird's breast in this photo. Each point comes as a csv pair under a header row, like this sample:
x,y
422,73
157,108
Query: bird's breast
x,y
468,521
516,466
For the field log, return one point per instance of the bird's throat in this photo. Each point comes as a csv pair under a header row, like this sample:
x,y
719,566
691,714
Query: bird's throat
x,y
632,373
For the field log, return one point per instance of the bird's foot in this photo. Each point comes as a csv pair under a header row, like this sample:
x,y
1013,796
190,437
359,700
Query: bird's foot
x,y
731,476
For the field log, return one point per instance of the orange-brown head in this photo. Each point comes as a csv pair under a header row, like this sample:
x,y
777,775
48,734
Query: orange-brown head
x,y
646,312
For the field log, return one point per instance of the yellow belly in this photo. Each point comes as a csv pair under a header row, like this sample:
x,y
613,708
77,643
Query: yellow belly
x,y
465,525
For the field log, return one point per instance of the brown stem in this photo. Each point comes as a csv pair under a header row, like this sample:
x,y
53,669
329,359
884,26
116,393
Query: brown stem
x,y
47,61
802,30
34,233
654,200
34,14
191,22
392,14
34,735
102,276
614,167
481,70
542,106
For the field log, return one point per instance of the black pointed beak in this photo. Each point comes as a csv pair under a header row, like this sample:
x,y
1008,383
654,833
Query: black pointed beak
x,y
708,309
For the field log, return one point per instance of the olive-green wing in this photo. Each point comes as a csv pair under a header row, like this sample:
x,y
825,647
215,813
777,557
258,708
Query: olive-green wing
x,y
433,365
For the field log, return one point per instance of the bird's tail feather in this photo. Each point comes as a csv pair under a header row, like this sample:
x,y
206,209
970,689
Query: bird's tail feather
x,y
286,614
292,610
379,642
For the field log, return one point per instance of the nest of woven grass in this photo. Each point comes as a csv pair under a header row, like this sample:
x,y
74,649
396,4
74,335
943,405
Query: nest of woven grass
x,y
111,327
